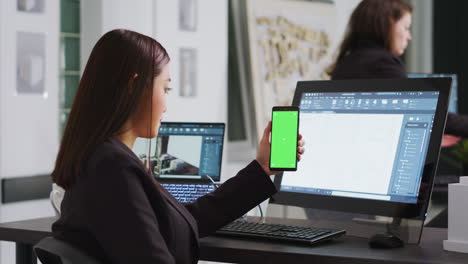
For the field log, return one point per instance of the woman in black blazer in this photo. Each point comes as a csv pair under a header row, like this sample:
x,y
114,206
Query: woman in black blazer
x,y
378,34
113,208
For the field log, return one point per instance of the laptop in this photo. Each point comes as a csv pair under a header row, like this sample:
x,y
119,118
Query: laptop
x,y
185,157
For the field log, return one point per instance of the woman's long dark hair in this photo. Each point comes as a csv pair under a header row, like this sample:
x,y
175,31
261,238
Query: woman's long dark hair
x,y
118,75
372,19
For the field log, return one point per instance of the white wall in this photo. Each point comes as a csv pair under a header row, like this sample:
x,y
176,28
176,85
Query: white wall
x,y
210,40
344,8
29,124
101,16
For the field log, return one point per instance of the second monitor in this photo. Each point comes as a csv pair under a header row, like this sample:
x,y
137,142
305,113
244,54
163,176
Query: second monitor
x,y
453,101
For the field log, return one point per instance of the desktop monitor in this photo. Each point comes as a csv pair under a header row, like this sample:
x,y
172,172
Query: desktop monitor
x,y
372,146
453,101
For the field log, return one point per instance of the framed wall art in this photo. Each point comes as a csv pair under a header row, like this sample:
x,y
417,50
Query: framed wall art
x,y
31,6
30,57
188,15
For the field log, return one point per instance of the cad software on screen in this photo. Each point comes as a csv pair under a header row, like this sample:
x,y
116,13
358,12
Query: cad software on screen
x,y
369,145
184,150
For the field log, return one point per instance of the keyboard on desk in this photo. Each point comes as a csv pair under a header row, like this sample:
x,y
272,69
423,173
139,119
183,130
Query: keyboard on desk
x,y
187,193
287,233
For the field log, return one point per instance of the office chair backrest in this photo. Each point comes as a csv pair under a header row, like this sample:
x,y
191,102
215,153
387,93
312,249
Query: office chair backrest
x,y
54,251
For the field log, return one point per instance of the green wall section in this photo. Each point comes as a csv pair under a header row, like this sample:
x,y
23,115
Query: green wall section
x,y
69,56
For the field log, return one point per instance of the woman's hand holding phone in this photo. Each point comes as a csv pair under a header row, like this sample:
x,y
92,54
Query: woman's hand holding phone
x,y
263,152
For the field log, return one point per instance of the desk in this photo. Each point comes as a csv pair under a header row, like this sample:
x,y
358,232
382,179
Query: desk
x,y
344,250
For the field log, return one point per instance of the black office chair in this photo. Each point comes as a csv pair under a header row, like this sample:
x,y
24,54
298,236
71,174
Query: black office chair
x,y
54,251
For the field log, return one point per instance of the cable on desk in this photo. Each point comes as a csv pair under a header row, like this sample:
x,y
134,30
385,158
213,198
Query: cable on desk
x,y
208,177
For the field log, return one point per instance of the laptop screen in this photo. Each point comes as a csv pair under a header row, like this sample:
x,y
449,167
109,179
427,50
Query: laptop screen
x,y
185,150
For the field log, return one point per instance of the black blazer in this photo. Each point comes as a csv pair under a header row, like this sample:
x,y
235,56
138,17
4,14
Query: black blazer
x,y
370,60
119,213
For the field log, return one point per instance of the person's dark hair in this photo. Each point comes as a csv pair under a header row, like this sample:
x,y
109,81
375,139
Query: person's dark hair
x,y
372,19
118,76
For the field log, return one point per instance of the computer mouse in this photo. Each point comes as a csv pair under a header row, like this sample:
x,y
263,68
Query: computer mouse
x,y
385,240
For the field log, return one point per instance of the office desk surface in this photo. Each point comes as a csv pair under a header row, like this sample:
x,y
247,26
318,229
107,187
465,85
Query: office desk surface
x,y
343,250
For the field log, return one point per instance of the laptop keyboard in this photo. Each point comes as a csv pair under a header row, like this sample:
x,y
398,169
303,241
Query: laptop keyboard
x,y
187,193
285,233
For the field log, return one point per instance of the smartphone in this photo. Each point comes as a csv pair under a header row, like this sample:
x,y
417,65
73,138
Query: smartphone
x,y
284,136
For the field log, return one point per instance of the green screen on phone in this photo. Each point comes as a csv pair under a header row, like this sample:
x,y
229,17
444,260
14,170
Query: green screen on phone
x,y
284,139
